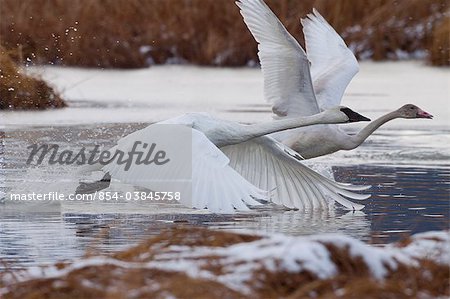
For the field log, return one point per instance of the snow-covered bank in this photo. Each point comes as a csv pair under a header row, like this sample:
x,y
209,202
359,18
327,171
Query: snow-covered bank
x,y
181,263
149,95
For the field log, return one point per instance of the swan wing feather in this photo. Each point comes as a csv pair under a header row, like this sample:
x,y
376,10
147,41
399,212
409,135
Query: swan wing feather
x,y
291,183
214,184
333,65
287,79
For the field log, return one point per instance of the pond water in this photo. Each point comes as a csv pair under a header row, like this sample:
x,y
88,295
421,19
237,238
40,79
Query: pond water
x,y
406,199
406,162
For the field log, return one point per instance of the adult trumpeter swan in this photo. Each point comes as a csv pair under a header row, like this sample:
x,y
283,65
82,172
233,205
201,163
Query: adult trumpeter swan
x,y
259,162
300,83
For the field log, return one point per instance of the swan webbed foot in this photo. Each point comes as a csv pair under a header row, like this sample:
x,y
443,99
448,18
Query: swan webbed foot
x,y
89,188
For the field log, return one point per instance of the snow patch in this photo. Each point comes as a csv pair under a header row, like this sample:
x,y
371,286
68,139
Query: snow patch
x,y
239,263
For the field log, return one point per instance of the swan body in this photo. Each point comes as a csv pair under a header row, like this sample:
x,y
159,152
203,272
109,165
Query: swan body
x,y
315,141
302,83
233,164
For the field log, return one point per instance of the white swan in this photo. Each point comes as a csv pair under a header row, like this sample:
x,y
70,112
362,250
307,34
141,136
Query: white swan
x,y
302,84
259,162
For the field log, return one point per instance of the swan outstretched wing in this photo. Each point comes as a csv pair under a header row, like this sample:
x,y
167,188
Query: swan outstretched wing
x,y
287,79
270,165
205,174
333,65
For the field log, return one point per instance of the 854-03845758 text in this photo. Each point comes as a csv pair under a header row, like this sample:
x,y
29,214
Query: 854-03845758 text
x,y
99,196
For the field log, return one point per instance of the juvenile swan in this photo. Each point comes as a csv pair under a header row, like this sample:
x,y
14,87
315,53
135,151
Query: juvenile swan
x,y
300,83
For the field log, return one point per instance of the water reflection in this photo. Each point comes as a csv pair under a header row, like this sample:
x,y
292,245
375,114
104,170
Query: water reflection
x,y
405,200
294,222
30,238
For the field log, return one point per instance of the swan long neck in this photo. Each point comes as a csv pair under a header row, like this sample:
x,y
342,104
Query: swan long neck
x,y
257,130
362,135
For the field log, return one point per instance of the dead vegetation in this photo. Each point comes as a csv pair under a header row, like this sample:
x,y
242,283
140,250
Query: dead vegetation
x,y
182,236
133,33
127,275
440,47
20,91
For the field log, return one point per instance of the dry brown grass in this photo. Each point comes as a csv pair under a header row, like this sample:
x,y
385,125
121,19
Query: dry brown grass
x,y
183,236
19,91
109,33
114,281
121,283
440,47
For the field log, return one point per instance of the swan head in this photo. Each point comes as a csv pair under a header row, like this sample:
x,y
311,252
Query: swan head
x,y
342,114
412,111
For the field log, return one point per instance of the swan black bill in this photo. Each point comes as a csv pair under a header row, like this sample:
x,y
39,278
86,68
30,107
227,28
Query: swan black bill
x,y
354,116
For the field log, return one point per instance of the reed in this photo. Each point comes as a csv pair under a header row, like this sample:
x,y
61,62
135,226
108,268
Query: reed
x,y
133,33
440,48
20,91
